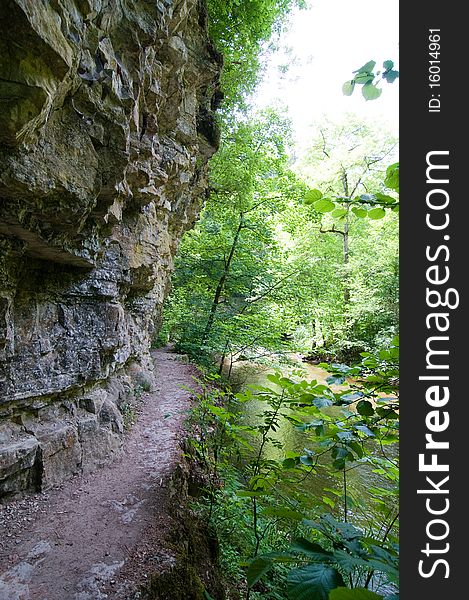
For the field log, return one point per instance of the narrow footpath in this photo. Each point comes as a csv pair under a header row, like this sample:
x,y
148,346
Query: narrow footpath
x,y
96,537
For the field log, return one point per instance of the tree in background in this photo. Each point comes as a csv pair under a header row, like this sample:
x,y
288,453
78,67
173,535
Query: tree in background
x,y
243,32
231,266
276,266
346,167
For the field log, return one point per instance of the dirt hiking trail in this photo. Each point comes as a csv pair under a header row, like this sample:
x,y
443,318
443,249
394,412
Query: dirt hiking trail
x,y
95,537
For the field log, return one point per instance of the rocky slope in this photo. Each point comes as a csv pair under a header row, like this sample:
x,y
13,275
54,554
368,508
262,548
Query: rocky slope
x,y
106,127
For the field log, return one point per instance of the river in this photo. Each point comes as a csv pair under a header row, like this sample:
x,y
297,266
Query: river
x,y
360,480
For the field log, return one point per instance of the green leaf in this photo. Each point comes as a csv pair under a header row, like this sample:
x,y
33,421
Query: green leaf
x,y
339,464
339,212
207,595
321,402
348,87
257,568
359,212
335,379
387,413
349,562
289,463
367,67
247,494
385,198
357,448
332,491
311,550
364,78
365,408
343,593
388,65
349,398
284,513
392,177
324,205
377,213
328,501
370,91
312,196
365,430
313,582
344,436
307,461
391,76
340,453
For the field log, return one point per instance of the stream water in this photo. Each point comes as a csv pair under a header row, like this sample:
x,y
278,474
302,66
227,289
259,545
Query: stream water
x,y
360,480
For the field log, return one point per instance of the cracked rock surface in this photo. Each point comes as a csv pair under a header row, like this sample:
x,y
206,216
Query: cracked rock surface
x,y
106,128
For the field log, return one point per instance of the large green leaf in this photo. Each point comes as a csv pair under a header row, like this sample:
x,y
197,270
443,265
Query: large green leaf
x,y
391,76
377,213
311,550
339,212
364,429
351,397
324,205
385,198
367,67
363,78
282,512
343,593
356,447
392,177
359,212
249,494
313,582
365,408
347,562
322,401
289,463
307,461
257,568
370,91
312,196
335,379
348,88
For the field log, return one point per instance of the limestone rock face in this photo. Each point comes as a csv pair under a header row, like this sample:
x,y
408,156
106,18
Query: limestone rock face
x,y
106,127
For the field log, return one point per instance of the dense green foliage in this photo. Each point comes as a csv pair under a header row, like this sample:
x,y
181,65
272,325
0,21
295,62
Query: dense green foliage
x,y
264,513
242,31
282,262
232,262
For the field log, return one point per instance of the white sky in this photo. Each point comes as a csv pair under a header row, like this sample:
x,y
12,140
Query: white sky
x,y
322,47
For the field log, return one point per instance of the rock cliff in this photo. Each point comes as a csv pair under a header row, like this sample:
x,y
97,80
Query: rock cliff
x,y
106,127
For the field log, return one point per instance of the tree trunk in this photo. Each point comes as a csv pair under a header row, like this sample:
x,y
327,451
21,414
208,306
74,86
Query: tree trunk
x,y
346,255
223,357
346,237
221,283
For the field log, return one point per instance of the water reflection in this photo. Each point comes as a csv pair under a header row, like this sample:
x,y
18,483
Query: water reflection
x,y
360,479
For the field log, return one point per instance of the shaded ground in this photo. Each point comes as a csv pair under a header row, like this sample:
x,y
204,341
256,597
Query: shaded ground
x,y
96,537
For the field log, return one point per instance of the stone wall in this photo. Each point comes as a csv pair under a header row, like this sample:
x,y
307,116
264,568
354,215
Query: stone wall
x,y
106,127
